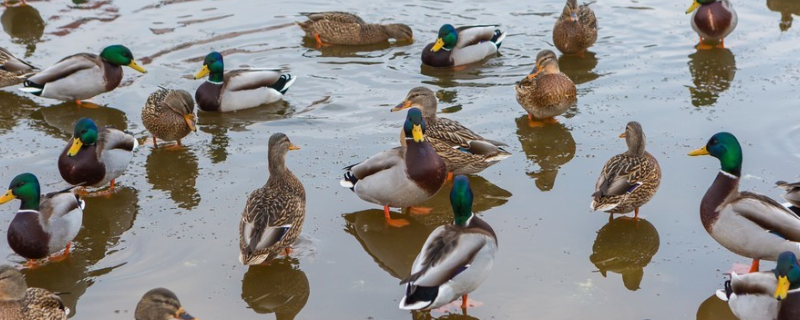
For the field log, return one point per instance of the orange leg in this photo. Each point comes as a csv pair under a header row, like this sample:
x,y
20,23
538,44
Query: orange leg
x,y
113,182
320,44
155,144
87,104
703,46
721,44
176,146
287,251
419,210
534,123
754,267
636,214
464,302
32,264
397,223
62,256
449,176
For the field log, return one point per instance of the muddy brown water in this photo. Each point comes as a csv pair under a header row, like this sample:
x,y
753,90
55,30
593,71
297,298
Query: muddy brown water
x,y
173,221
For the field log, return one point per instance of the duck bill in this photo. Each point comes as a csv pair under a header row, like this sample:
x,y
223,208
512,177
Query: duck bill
x,y
182,314
403,105
783,288
699,152
293,147
76,146
438,45
8,196
202,73
416,133
136,66
693,7
622,135
190,122
573,16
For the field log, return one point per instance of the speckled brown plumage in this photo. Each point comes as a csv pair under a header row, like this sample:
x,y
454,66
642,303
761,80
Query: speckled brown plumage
x,y
629,179
18,302
546,92
13,70
342,28
165,114
274,214
160,304
573,36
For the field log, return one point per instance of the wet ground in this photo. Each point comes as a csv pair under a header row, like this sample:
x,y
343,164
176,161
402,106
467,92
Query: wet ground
x,y
173,221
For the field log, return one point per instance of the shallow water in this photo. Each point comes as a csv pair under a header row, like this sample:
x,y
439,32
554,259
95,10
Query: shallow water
x,y
173,221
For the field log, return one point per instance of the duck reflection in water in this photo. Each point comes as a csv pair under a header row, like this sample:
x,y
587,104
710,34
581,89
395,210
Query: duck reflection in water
x,y
105,220
625,246
715,309
280,288
59,120
787,8
13,108
174,171
218,125
550,147
24,25
580,69
426,315
712,73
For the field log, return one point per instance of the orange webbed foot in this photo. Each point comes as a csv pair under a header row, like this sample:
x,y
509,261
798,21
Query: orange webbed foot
x,y
419,210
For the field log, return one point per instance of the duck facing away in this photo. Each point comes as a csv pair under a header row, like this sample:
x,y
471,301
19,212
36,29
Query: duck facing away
x,y
14,70
576,28
96,156
748,224
399,177
462,150
771,295
344,28
546,92
43,225
169,115
238,89
629,179
274,214
160,304
464,45
18,302
792,192
454,260
713,20
83,75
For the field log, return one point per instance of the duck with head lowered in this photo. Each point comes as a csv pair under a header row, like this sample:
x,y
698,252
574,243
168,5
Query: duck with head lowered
x,y
83,75
463,45
399,177
713,20
344,28
747,223
238,89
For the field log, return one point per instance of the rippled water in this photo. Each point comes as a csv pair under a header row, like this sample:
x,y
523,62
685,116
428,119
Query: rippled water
x,y
173,222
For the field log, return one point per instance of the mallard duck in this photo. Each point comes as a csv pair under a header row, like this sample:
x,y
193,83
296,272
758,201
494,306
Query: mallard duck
x,y
45,224
765,295
464,45
238,89
344,28
18,302
629,179
169,115
95,157
160,304
399,177
792,192
274,214
748,224
546,92
463,151
713,20
14,70
454,260
576,28
83,75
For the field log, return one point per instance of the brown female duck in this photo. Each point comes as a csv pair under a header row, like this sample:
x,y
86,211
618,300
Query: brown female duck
x,y
18,302
14,70
160,304
576,28
343,28
169,115
546,92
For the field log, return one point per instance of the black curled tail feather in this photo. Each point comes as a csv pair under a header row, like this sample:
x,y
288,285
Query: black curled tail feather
x,y
31,84
350,177
416,294
283,83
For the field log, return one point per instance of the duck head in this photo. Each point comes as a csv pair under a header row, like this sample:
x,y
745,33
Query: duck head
x,y
84,133
24,187
725,147
447,38
212,67
121,56
461,201
414,126
788,273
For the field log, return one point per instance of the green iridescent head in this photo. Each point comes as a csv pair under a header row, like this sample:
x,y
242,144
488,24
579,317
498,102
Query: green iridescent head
x,y
84,133
461,200
414,126
726,148
121,56
788,274
24,187
447,38
212,67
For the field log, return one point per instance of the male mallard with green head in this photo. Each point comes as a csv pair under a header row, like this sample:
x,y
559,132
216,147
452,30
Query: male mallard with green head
x,y
344,28
629,179
576,28
169,115
399,177
18,302
83,75
768,295
274,214
713,20
748,224
238,89
43,225
96,156
463,151
160,304
464,45
546,92
454,260
14,70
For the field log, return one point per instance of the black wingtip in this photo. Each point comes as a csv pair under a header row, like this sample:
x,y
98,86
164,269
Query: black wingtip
x,y
349,176
497,35
283,83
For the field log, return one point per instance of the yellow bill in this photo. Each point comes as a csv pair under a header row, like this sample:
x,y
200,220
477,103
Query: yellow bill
x,y
693,7
183,315
202,73
699,152
8,196
76,146
136,66
416,133
438,45
622,135
190,121
403,105
293,146
783,288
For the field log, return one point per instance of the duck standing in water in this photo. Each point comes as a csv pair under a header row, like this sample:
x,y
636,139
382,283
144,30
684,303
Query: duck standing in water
x,y
713,20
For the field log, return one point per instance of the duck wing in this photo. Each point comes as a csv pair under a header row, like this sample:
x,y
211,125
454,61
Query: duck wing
x,y
379,162
447,252
768,214
66,67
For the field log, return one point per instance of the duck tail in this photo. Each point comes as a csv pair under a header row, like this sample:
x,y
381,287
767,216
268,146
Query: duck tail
x,y
349,181
418,298
498,38
32,88
283,83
